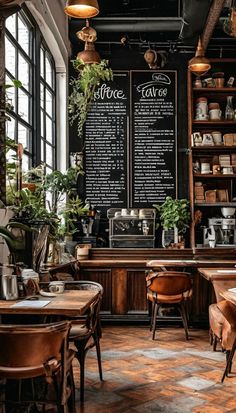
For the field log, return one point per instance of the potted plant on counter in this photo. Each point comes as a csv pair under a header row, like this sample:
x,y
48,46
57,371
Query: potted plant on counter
x,y
174,217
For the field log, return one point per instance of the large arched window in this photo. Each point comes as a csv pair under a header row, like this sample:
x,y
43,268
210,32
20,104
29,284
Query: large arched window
x,y
32,119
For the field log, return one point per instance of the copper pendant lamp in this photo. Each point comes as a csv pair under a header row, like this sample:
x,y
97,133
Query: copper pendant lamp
x,y
82,9
199,64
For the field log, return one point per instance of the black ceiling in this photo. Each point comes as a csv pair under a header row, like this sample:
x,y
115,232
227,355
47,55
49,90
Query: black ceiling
x,y
148,21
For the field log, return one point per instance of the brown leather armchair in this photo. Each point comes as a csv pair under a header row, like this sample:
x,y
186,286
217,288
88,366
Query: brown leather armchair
x,y
169,288
38,351
216,318
228,337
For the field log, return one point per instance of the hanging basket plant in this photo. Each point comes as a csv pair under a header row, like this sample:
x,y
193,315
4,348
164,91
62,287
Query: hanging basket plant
x,y
84,87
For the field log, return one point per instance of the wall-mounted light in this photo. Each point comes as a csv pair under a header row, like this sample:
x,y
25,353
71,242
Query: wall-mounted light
x,y
82,9
199,64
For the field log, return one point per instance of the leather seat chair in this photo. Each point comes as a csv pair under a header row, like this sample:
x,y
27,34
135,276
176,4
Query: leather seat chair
x,y
86,331
228,338
216,318
169,288
38,352
65,272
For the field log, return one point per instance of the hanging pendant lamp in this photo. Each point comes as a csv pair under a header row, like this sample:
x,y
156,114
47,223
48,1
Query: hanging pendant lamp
x,y
82,9
199,64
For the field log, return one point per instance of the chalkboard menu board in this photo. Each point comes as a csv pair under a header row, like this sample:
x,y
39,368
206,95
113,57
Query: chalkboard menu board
x,y
106,143
154,132
130,141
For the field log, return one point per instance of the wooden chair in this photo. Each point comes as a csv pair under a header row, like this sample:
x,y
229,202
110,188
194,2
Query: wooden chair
x,y
216,318
228,338
169,288
86,331
38,352
65,272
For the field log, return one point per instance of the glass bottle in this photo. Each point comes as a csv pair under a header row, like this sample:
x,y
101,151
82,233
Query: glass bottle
x,y
229,110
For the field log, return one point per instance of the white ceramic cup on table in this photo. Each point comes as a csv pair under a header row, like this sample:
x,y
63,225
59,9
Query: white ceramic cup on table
x,y
56,287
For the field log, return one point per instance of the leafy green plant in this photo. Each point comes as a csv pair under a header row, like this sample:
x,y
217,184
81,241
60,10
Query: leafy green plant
x,y
83,89
174,213
72,212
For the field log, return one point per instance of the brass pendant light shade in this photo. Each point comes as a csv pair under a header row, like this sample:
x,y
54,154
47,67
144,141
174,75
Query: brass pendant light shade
x,y
199,64
89,54
82,9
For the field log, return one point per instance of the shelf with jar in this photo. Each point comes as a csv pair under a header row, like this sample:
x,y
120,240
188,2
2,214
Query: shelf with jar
x,y
212,152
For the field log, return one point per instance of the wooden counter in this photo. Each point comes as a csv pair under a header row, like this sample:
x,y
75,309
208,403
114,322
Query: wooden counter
x,y
122,274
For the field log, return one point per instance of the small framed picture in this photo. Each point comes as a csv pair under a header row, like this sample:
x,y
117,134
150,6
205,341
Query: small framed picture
x,y
196,139
207,139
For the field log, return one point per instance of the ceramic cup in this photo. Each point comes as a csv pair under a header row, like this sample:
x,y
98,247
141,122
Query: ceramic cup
x,y
217,137
227,170
215,114
205,168
56,287
134,212
124,212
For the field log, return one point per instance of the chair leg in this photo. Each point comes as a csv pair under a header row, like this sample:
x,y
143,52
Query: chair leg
x,y
229,359
98,349
211,336
182,310
71,400
80,355
214,342
151,311
155,309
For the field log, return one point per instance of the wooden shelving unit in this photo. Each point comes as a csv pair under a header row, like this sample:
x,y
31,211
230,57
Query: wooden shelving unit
x,y
210,153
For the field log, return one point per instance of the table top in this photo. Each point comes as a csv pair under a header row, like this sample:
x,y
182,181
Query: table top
x,y
218,272
189,263
69,303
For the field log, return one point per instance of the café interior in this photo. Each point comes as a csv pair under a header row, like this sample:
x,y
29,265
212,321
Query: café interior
x,y
117,206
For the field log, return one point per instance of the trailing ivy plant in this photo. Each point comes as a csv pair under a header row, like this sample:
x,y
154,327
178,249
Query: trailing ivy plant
x,y
84,87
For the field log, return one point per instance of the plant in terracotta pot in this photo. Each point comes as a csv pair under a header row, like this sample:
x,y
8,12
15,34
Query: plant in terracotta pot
x,y
174,214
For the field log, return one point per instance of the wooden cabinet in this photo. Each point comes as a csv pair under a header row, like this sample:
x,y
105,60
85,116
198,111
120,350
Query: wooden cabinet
x,y
212,156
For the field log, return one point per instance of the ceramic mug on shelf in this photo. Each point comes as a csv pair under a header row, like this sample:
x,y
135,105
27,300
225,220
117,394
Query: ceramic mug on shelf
x,y
215,114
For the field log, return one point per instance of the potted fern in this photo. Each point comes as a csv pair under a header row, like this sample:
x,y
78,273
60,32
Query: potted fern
x,y
84,87
174,216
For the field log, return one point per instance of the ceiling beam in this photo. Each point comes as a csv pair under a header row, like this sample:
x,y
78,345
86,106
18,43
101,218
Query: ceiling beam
x,y
212,19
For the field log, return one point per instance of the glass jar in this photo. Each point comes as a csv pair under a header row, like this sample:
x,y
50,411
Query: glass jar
x,y
229,110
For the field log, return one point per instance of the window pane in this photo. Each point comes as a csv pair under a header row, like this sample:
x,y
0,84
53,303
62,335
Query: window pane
x,y
26,162
10,94
24,137
49,126
42,151
48,71
23,105
42,62
10,56
10,128
42,100
49,155
23,72
48,103
11,24
42,124
23,35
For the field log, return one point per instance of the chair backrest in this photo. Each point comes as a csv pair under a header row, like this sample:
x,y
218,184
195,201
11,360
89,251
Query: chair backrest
x,y
64,272
222,283
23,346
83,285
171,283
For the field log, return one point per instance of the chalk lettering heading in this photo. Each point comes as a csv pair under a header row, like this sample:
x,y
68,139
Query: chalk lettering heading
x,y
105,92
150,89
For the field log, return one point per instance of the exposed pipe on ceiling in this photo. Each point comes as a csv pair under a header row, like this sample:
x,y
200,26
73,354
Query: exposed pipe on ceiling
x,y
132,24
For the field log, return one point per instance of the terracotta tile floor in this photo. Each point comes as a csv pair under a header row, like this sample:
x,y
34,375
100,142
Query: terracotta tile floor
x,y
168,375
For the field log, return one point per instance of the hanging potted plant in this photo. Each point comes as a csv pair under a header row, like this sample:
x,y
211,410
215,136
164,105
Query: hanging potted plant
x,y
174,217
84,87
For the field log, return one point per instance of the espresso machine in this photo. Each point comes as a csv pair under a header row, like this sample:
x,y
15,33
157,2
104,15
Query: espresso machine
x,y
224,230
